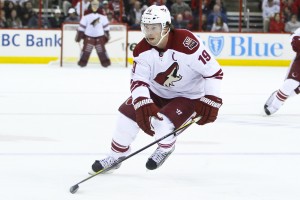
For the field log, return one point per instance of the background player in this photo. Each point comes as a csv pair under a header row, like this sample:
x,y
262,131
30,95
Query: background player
x,y
94,29
174,79
291,83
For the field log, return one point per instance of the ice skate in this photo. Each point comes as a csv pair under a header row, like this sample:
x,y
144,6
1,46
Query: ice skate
x,y
269,110
158,158
109,161
267,107
274,102
100,165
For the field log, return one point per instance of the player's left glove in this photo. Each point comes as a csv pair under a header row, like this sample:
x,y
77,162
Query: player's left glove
x,y
144,110
106,36
208,107
80,35
296,44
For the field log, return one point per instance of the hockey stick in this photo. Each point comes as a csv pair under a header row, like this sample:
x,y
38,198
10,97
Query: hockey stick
x,y
176,132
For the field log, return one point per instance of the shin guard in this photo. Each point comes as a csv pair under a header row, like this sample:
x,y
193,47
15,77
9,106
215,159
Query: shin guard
x,y
101,52
86,52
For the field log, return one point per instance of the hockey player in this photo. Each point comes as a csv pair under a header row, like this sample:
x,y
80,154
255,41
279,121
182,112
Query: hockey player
x,y
291,84
174,79
94,29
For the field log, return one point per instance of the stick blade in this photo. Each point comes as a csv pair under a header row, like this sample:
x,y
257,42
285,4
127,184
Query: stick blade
x,y
74,189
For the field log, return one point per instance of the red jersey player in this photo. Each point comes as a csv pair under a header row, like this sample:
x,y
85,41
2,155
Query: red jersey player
x,y
291,84
174,79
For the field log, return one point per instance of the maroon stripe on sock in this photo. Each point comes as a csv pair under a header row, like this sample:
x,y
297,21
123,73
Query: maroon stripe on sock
x,y
281,96
116,147
166,146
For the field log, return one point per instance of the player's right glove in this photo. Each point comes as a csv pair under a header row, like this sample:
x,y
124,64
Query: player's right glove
x,y
144,110
79,36
296,44
208,107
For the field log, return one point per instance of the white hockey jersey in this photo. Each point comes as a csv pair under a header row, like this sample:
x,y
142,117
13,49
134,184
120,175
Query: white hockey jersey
x,y
184,69
94,24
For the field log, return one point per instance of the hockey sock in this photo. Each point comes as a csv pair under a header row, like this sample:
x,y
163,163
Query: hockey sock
x,y
279,99
166,147
290,87
286,90
118,148
123,137
161,128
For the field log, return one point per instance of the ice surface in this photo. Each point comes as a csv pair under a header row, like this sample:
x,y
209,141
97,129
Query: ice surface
x,y
54,122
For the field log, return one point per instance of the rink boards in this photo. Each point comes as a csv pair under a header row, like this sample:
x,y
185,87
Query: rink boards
x,y
234,49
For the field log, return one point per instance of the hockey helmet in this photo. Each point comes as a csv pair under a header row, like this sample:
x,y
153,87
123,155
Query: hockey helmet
x,y
156,20
157,14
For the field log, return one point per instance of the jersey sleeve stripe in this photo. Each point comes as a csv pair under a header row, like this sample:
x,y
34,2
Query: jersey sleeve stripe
x,y
136,84
218,75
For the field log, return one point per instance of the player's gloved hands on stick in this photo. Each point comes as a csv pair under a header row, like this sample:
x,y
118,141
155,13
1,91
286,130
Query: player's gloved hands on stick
x,y
144,109
208,107
296,44
80,35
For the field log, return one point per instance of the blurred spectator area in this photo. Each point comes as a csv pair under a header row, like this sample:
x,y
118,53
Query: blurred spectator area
x,y
253,11
251,15
244,15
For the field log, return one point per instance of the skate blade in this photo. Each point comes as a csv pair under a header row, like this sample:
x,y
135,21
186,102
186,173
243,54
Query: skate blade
x,y
107,172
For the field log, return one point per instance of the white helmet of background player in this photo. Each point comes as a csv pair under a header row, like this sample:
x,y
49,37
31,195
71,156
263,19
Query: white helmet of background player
x,y
94,5
156,20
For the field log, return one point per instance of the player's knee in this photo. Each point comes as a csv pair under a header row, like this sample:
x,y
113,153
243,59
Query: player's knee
x,y
125,136
162,127
290,84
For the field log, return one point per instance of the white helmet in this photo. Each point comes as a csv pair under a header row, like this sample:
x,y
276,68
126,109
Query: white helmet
x,y
156,14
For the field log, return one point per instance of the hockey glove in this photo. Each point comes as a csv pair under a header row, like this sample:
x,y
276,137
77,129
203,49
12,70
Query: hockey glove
x,y
208,107
296,44
106,36
80,35
144,110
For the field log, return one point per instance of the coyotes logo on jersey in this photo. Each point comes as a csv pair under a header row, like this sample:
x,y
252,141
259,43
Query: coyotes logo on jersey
x,y
168,77
95,22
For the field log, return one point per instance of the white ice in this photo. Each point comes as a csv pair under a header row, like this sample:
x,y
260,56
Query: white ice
x,y
54,122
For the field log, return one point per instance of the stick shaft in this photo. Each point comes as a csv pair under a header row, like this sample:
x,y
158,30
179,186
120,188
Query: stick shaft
x,y
175,132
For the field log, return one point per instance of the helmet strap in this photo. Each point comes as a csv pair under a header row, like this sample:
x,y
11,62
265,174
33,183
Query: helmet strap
x,y
162,37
